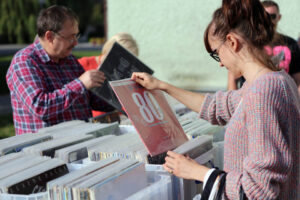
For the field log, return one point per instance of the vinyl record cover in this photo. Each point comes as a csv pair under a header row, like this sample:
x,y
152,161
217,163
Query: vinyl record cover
x,y
151,115
118,64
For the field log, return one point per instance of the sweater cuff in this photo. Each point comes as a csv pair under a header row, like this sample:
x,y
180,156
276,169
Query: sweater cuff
x,y
233,183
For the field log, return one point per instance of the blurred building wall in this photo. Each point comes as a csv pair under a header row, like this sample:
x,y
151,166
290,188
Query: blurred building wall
x,y
170,37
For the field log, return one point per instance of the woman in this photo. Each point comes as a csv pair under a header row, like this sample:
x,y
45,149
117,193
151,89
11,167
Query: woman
x,y
261,149
283,49
93,62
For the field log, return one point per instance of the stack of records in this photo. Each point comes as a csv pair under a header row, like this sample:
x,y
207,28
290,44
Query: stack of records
x,y
10,157
196,146
125,121
48,148
194,126
57,137
61,126
128,146
28,174
17,143
76,127
79,151
107,179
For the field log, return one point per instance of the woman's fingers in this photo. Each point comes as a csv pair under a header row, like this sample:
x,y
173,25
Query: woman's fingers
x,y
138,75
172,154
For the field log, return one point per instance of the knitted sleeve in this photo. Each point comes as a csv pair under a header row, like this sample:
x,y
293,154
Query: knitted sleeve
x,y
219,107
268,161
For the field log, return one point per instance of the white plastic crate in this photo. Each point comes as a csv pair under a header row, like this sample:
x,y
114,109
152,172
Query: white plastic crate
x,y
160,189
37,196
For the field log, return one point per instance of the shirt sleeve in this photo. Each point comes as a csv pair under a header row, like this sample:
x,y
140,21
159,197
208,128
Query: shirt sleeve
x,y
218,108
268,161
30,88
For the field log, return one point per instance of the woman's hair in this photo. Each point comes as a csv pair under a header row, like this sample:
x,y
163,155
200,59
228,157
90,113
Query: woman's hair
x,y
249,20
124,39
53,19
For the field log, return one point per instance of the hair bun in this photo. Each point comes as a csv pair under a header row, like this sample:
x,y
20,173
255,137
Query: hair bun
x,y
251,16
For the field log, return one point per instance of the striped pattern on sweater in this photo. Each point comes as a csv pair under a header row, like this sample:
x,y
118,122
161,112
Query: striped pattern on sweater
x,y
262,138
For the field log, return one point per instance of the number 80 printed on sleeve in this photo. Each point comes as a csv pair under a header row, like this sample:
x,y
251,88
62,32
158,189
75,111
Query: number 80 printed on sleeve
x,y
151,115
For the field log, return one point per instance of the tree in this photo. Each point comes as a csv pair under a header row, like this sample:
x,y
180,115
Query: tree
x,y
18,18
90,14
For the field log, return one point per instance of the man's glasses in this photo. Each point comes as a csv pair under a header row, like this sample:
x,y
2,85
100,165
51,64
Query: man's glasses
x,y
214,54
273,16
71,40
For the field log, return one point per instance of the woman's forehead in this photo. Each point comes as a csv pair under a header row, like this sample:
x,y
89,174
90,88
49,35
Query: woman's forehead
x,y
211,36
213,40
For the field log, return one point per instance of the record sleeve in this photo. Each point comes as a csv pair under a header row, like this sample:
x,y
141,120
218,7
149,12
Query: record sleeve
x,y
118,64
151,115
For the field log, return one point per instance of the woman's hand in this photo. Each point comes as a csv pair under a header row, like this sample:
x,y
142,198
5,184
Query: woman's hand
x,y
146,80
184,167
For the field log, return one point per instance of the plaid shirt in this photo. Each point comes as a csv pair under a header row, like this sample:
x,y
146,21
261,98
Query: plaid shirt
x,y
44,93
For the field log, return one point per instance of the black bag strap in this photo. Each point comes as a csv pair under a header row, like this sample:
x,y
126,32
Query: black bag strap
x,y
242,194
221,186
209,184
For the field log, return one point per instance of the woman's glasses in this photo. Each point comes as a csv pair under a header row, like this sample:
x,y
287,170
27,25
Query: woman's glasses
x,y
214,54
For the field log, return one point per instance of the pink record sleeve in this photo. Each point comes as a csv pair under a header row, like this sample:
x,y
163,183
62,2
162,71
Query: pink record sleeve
x,y
151,116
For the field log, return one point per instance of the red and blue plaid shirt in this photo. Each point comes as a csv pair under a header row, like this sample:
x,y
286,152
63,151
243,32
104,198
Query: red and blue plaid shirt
x,y
44,93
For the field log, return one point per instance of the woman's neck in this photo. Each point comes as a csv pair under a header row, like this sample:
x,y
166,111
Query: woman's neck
x,y
253,70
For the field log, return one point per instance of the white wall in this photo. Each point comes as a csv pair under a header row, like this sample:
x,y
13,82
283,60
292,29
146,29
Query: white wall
x,y
290,20
170,37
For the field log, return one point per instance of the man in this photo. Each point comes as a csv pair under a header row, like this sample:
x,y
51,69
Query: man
x,y
284,50
47,84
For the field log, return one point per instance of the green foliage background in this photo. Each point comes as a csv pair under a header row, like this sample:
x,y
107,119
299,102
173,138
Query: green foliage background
x,y
18,17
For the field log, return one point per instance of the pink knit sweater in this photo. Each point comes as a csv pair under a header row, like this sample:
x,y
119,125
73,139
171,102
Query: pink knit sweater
x,y
262,138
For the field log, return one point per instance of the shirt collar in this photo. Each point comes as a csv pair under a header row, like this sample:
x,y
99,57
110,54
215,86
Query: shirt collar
x,y
42,54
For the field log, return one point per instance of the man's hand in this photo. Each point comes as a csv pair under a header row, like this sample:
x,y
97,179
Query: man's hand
x,y
92,78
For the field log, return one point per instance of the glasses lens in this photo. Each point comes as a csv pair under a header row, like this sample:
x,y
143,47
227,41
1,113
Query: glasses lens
x,y
215,55
273,16
78,36
217,58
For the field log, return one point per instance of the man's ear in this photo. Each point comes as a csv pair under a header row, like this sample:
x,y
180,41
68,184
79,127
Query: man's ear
x,y
49,36
233,41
